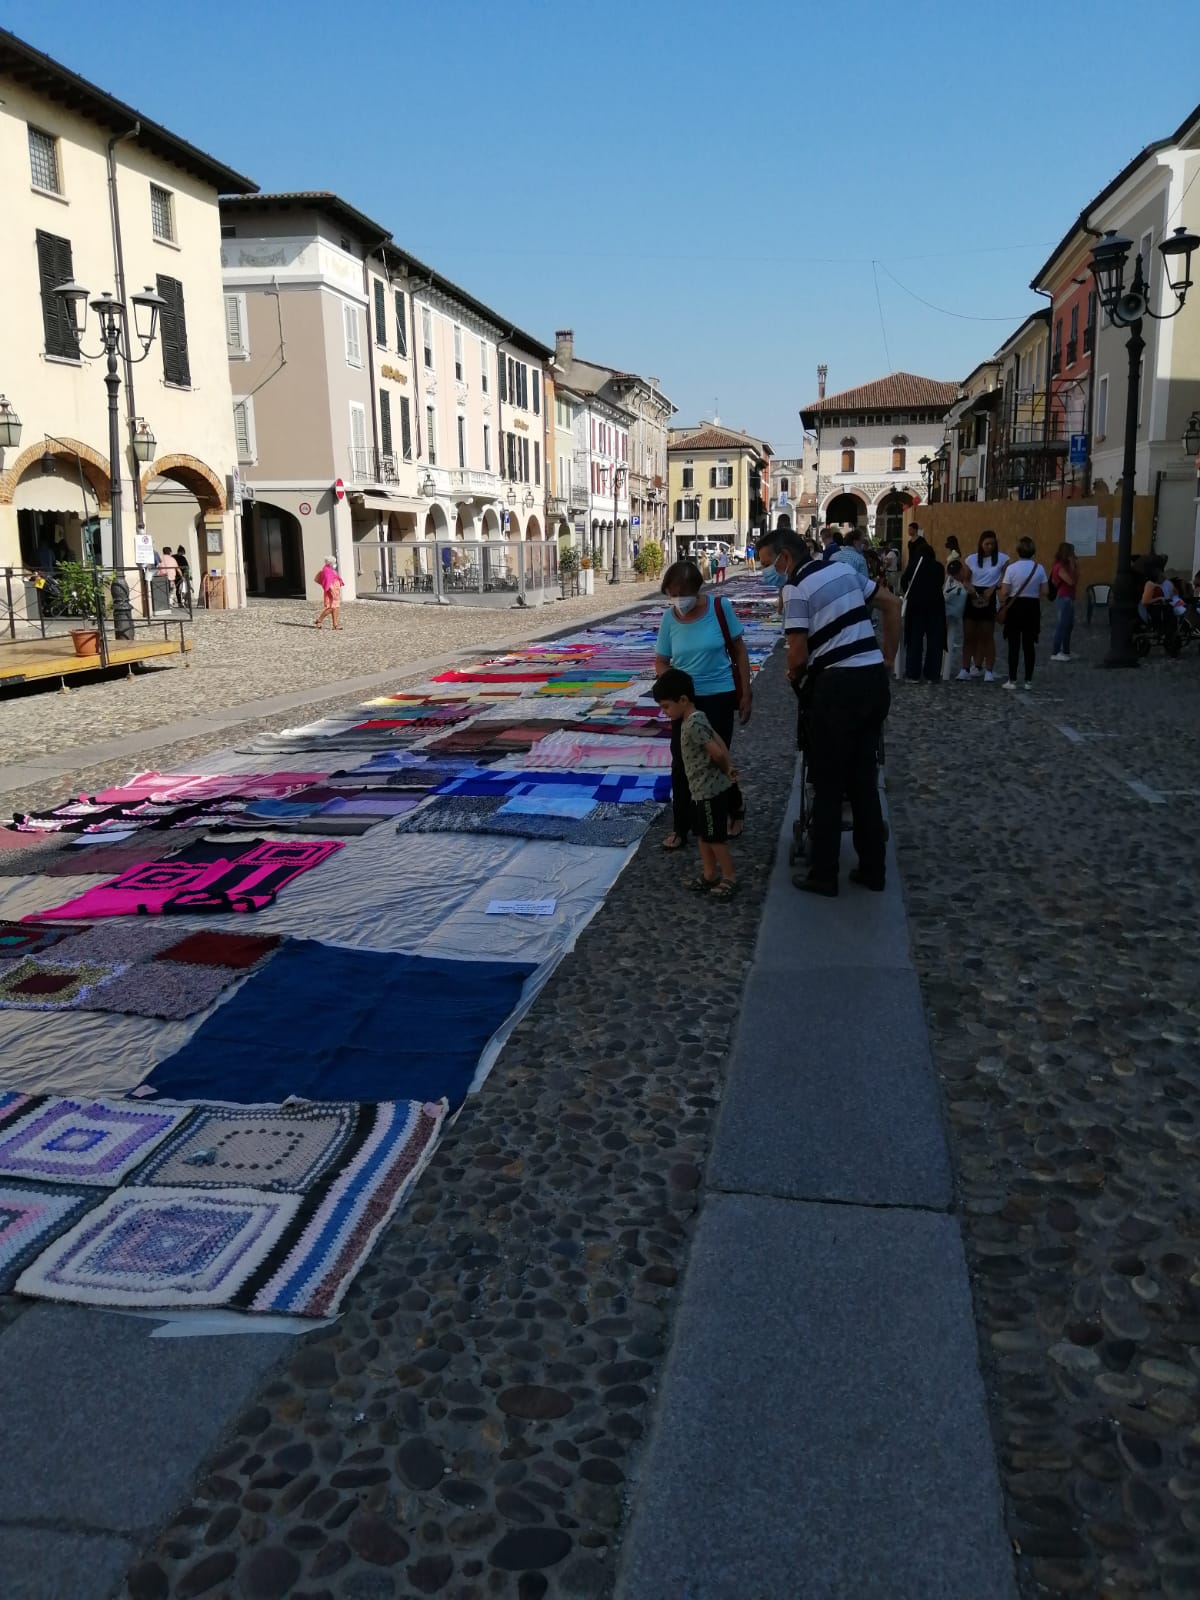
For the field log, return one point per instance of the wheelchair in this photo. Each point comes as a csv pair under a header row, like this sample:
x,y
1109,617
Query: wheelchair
x,y
1154,630
798,850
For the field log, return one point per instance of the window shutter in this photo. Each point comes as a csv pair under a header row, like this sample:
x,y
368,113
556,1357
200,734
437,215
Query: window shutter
x,y
405,428
537,449
380,314
353,343
712,510
712,477
54,267
537,392
385,418
235,333
358,427
243,430
172,325
401,324
524,460
503,382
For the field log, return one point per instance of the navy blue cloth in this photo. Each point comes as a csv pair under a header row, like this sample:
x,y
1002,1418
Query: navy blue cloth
x,y
325,1023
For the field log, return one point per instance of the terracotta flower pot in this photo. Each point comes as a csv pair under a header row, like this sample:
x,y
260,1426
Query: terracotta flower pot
x,y
86,641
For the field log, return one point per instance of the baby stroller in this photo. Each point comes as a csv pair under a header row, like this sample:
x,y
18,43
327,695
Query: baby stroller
x,y
801,826
1153,629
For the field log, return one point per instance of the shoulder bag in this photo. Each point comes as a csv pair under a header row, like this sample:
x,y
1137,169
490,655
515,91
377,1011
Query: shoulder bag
x,y
1002,613
739,688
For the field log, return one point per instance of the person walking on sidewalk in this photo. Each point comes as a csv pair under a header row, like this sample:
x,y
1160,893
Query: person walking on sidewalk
x,y
330,580
722,560
924,614
702,636
1023,590
711,776
842,678
1064,585
985,572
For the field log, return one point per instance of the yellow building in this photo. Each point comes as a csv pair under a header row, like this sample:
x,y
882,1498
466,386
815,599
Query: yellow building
x,y
717,479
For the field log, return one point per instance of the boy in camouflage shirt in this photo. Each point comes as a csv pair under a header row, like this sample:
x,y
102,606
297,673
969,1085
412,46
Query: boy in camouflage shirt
x,y
710,774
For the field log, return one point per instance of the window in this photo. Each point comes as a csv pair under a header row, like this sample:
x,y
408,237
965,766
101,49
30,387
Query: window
x,y
784,484
537,393
503,378
54,267
462,441
406,449
358,440
537,451
562,414
380,314
720,510
687,482
483,365
1089,327
385,422
687,510
162,214
487,448
1102,408
172,333
721,476
1056,359
524,460
43,162
243,429
847,460
431,435
510,456
237,346
350,328
458,353
401,324
427,336
899,458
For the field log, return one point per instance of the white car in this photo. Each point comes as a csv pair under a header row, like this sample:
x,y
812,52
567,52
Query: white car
x,y
712,547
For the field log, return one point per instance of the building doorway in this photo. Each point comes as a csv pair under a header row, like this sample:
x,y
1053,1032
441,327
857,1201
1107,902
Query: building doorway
x,y
274,550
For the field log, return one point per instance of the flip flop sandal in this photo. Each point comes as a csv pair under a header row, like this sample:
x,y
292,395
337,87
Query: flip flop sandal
x,y
704,885
669,849
723,890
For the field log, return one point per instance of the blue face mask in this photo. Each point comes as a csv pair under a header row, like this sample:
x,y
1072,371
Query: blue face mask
x,y
774,579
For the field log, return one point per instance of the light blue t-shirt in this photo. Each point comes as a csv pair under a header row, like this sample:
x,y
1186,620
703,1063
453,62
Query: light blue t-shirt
x,y
698,648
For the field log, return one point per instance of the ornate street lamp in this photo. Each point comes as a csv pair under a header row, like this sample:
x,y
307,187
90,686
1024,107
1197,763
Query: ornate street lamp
x,y
144,442
114,340
428,487
618,474
511,496
926,466
1126,306
1190,441
10,423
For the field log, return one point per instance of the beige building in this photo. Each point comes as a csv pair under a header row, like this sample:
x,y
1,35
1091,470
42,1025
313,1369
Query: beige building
x,y
719,481
65,146
380,409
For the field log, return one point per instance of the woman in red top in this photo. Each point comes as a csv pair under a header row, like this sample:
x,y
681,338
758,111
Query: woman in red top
x,y
1064,581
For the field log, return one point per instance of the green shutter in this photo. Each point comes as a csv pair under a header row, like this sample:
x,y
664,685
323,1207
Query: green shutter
x,y
385,419
54,268
172,330
401,324
380,314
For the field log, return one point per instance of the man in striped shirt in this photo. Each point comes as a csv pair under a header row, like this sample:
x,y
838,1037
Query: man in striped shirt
x,y
831,646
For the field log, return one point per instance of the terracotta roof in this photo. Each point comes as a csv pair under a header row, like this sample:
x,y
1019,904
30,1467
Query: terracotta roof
x,y
899,391
710,437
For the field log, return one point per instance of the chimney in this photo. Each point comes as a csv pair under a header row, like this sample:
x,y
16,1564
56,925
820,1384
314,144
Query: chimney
x,y
564,346
822,374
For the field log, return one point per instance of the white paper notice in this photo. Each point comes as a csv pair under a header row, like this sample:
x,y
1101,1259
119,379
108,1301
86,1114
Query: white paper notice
x,y
521,908
1082,529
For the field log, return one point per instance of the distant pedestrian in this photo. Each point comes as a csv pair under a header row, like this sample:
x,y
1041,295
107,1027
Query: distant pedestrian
x,y
183,583
711,777
954,594
167,567
331,583
1023,589
985,572
851,552
924,614
953,553
722,559
1064,584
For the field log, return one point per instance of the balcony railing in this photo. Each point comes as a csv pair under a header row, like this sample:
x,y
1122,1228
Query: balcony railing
x,y
466,480
368,465
578,496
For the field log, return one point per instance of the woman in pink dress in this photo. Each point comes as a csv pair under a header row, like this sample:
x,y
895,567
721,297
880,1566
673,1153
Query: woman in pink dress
x,y
330,580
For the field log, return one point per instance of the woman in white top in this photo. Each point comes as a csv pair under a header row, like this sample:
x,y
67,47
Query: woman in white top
x,y
985,571
1024,589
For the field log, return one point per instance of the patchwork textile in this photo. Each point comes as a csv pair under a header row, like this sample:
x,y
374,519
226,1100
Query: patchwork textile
x,y
390,1027
21,939
14,1104
35,985
205,877
93,1142
155,989
282,1148
178,786
30,1217
97,853
581,751
339,1230
610,824
622,787
162,1247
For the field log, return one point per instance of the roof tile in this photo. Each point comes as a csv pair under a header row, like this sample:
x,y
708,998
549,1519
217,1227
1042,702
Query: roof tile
x,y
899,391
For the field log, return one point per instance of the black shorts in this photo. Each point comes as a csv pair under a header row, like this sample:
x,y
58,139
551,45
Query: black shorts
x,y
986,613
710,818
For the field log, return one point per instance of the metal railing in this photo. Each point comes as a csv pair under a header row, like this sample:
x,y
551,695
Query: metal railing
x,y
368,465
456,568
75,601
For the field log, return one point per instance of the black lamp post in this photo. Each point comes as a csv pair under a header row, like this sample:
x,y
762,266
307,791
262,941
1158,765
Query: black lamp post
x,y
114,341
926,466
616,569
1127,307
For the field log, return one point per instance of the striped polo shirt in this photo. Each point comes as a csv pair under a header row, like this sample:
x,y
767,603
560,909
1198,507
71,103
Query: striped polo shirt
x,y
828,602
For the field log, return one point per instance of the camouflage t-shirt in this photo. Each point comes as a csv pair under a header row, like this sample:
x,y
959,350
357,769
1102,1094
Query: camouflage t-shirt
x,y
705,778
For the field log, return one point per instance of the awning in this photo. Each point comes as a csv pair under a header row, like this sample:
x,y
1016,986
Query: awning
x,y
381,500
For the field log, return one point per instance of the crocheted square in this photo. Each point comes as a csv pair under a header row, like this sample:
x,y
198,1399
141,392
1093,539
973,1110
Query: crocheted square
x,y
167,989
221,949
41,986
85,1141
30,1217
21,939
285,1150
162,1247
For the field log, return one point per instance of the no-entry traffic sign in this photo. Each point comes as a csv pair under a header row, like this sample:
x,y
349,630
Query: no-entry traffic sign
x,y
339,489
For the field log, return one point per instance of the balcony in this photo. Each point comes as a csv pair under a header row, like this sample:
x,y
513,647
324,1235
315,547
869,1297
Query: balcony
x,y
467,481
368,465
577,497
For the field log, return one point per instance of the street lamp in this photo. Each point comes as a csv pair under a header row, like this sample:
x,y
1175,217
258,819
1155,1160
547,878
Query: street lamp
x,y
114,340
428,487
144,442
926,466
618,473
1126,307
10,423
1190,441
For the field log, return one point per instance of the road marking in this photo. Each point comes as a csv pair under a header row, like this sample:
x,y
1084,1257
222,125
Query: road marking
x,y
1145,792
1069,733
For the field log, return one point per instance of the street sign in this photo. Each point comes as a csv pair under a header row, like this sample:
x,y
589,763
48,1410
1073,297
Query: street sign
x,y
304,508
143,550
235,483
1079,450
507,521
339,489
635,522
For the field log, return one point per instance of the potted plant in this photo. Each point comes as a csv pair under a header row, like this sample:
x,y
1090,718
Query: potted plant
x,y
649,560
81,594
568,569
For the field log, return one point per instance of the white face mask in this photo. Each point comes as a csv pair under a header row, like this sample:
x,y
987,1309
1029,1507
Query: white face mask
x,y
685,603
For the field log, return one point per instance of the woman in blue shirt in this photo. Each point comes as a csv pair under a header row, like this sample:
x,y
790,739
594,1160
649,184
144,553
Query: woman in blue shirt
x,y
690,638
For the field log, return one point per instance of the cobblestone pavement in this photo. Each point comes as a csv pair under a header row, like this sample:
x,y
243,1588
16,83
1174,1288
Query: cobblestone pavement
x,y
272,648
1056,922
472,1425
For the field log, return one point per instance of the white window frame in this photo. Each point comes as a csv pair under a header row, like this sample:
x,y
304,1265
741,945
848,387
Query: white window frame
x,y
239,350
351,334
359,439
56,148
164,238
431,434
245,404
718,514
460,371
483,365
428,353
1100,424
724,475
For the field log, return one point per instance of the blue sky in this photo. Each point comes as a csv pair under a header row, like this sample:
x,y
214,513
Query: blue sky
x,y
698,187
